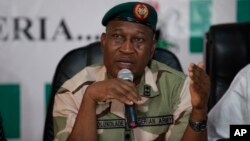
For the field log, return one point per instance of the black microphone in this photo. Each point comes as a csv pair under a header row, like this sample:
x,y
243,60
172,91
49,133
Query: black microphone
x,y
130,111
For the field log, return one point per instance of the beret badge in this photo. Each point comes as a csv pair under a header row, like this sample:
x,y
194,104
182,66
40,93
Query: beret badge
x,y
141,11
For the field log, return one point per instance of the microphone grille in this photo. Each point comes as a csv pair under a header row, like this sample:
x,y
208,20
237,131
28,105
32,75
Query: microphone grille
x,y
125,74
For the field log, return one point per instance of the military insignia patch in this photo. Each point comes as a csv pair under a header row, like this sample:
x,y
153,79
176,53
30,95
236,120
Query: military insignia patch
x,y
147,90
141,11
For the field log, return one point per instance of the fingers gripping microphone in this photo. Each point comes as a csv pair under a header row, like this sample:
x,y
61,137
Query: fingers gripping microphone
x,y
130,111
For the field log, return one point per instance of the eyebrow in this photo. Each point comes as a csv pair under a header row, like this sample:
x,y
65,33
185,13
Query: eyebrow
x,y
120,29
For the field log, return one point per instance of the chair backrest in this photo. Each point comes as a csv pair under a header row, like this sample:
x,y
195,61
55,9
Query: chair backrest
x,y
227,50
167,57
69,65
79,58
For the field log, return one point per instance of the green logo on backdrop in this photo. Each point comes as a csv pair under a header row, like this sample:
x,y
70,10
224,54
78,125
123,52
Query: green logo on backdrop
x,y
48,88
243,10
200,17
10,109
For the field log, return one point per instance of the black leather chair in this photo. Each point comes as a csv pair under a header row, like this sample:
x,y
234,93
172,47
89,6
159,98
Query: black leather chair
x,y
69,65
79,58
227,50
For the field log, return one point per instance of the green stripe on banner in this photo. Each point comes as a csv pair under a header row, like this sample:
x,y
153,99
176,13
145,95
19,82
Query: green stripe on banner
x,y
10,109
243,10
200,19
47,93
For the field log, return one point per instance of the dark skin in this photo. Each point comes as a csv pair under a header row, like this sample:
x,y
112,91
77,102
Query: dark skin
x,y
131,45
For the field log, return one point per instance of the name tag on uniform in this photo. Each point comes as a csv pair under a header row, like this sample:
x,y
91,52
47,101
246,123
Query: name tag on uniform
x,y
142,121
107,124
156,121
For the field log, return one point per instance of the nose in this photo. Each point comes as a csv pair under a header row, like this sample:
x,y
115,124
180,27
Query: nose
x,y
127,47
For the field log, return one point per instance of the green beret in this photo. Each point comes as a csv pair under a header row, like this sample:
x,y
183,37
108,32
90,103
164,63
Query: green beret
x,y
137,12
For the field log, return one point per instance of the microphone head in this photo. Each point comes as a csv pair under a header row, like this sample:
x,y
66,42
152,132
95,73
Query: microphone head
x,y
125,74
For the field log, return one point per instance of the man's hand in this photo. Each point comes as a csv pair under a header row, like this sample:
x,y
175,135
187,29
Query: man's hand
x,y
85,126
199,89
124,91
199,86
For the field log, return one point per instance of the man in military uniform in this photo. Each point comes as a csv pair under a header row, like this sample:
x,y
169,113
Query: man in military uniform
x,y
169,105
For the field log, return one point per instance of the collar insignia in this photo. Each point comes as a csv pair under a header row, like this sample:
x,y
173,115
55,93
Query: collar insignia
x,y
147,90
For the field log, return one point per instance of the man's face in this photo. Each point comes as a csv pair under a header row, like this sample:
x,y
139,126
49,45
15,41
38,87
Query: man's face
x,y
127,45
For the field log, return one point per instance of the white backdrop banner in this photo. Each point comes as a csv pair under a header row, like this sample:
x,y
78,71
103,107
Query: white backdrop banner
x,y
36,34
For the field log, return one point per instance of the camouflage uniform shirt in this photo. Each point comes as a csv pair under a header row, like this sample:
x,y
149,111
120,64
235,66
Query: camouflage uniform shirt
x,y
163,115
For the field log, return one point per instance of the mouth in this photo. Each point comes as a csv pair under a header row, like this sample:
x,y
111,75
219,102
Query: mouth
x,y
124,63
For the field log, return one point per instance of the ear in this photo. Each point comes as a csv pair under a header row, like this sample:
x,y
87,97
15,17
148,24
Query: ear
x,y
152,50
103,40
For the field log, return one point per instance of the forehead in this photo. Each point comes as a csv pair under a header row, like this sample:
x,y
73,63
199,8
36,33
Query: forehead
x,y
128,26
